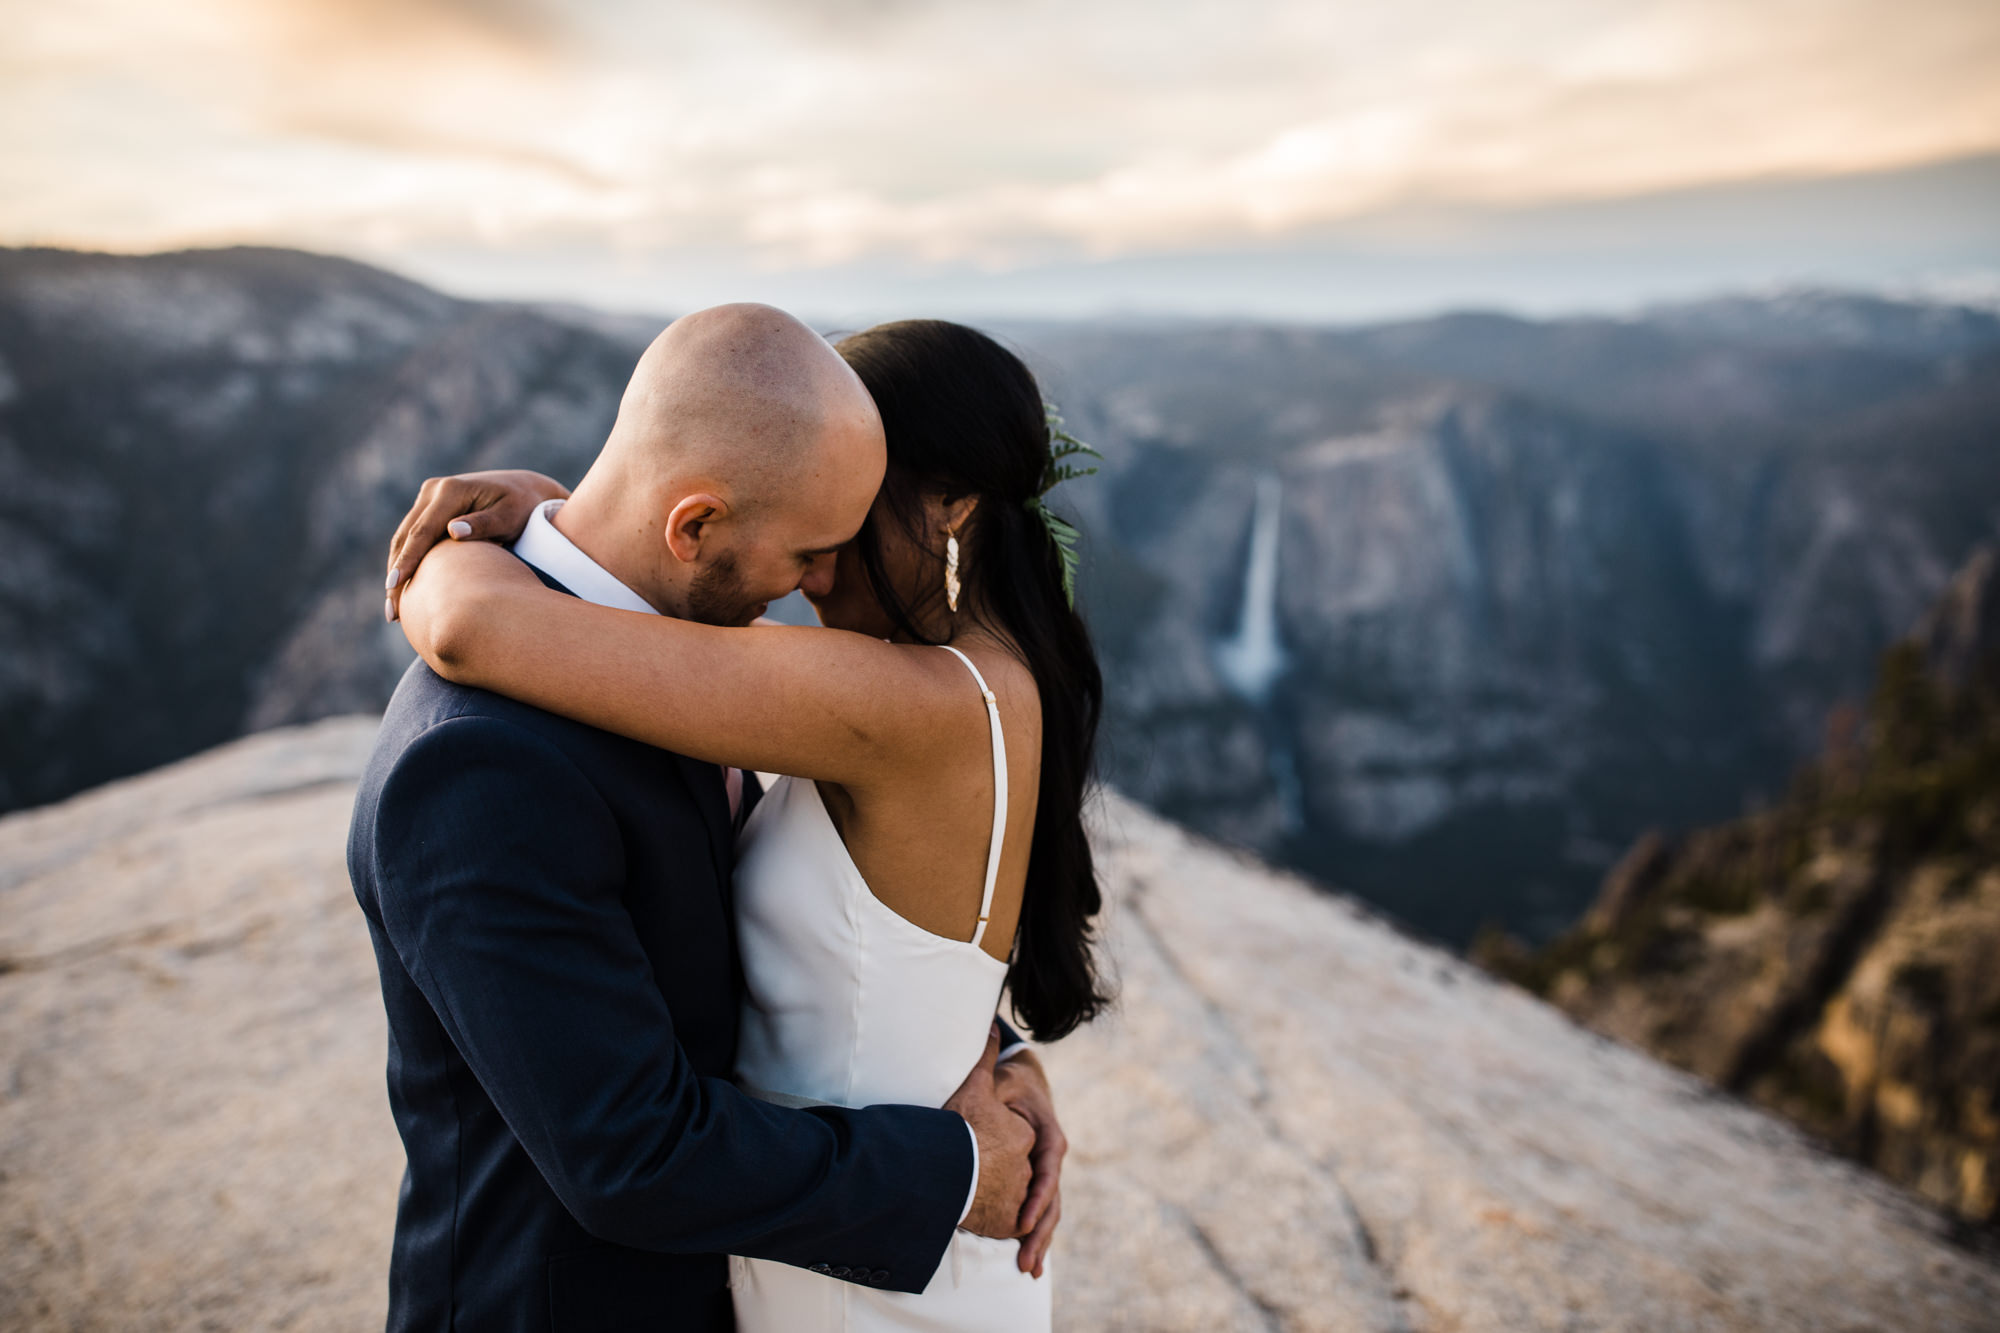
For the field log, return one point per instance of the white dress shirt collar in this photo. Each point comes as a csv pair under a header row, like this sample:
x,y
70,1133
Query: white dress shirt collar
x,y
542,545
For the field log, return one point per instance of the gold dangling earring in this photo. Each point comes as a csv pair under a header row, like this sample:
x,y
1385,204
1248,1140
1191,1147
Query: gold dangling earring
x,y
951,571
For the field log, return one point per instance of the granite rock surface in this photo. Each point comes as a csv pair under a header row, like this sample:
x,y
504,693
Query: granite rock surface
x,y
1298,1118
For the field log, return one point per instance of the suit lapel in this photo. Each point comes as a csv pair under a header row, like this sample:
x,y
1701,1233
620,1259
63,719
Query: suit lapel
x,y
704,782
712,799
753,792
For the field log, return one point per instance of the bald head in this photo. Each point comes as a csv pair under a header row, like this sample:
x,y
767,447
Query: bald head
x,y
744,399
745,449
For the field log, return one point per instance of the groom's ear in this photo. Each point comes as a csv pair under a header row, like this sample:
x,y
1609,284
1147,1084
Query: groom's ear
x,y
688,523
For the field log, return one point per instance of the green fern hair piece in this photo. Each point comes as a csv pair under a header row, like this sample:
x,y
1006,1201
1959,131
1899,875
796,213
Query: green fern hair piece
x,y
1055,471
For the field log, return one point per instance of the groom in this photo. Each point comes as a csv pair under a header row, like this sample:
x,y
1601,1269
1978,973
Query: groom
x,y
550,910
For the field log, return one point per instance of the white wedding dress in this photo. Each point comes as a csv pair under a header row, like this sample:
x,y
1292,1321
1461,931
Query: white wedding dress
x,y
853,1005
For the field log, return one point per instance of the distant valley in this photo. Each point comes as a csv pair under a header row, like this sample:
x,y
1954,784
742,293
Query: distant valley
x,y
1536,586
1447,611
1831,957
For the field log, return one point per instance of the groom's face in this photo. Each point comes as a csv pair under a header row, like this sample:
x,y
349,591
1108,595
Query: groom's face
x,y
790,543
717,594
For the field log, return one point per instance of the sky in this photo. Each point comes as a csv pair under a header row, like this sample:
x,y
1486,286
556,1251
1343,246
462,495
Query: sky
x,y
862,158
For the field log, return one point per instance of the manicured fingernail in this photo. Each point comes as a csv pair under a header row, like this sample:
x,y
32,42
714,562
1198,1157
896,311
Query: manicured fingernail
x,y
459,528
395,577
388,609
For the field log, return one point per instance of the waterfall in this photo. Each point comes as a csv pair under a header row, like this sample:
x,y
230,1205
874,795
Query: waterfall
x,y
1252,659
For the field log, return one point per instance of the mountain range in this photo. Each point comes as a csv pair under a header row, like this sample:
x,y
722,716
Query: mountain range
x,y
1831,957
1444,611
1536,586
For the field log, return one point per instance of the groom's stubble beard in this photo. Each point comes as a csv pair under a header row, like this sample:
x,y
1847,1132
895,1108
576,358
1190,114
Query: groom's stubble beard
x,y
715,595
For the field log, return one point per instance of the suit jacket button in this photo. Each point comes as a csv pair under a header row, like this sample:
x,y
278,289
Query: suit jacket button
x,y
878,1278
820,1268
840,1270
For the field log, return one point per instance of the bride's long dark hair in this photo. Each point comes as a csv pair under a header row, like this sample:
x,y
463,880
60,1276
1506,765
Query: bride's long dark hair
x,y
964,416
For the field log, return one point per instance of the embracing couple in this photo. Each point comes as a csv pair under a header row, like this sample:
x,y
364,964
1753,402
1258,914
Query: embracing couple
x,y
676,1046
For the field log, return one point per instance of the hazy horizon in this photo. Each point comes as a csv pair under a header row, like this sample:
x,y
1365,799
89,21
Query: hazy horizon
x,y
1281,160
1924,233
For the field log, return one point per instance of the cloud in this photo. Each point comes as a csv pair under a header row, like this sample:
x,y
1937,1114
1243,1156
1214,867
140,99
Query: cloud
x,y
798,135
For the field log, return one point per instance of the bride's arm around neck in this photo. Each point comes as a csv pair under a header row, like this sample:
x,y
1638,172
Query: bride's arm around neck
x,y
819,703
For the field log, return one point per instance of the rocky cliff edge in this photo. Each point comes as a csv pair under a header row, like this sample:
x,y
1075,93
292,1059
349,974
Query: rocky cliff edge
x,y
1831,957
1298,1119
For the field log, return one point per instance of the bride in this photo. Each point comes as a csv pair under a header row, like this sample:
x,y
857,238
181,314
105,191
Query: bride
x,y
928,847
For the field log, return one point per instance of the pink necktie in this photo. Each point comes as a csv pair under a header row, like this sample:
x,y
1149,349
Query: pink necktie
x,y
732,780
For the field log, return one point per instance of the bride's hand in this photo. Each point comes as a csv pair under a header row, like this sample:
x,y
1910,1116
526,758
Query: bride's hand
x,y
470,507
458,597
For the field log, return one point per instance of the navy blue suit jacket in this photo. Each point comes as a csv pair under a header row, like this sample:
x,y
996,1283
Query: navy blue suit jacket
x,y
550,909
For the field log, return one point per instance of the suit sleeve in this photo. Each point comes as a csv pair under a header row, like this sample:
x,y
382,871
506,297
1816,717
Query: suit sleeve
x,y
522,945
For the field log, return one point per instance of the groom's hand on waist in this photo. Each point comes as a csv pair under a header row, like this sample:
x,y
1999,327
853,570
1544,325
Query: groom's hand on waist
x,y
1024,1085
1006,1140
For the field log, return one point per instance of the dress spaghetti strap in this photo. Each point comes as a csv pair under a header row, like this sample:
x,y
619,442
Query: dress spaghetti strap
x,y
999,794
